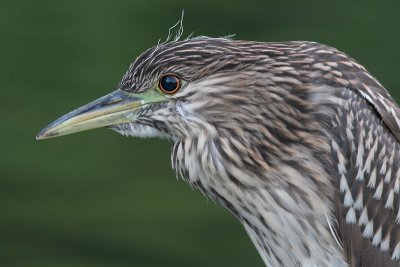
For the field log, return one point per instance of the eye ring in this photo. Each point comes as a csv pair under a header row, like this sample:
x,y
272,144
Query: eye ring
x,y
169,84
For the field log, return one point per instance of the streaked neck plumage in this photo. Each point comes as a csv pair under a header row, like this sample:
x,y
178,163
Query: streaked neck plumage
x,y
282,195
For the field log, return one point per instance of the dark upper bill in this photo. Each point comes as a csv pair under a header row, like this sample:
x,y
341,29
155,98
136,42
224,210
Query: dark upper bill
x,y
115,108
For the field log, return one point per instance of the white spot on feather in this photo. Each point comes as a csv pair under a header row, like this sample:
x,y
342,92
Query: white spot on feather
x,y
372,179
351,216
358,204
369,229
397,185
363,217
378,191
385,243
377,237
398,216
389,201
348,199
396,252
371,154
349,128
342,163
343,184
388,175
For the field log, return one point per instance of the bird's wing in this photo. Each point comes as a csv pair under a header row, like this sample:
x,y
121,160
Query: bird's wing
x,y
367,153
360,81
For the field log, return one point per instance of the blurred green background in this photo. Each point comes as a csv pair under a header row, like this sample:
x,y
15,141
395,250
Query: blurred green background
x,y
100,199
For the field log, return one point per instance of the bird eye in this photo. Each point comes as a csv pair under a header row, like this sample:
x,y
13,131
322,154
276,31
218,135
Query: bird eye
x,y
169,84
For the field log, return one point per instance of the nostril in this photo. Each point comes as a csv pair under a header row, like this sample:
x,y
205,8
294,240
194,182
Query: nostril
x,y
113,101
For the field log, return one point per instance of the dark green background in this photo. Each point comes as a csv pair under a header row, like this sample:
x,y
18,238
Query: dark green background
x,y
100,199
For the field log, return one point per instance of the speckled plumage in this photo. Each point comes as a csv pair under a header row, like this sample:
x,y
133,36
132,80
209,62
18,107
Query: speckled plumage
x,y
296,139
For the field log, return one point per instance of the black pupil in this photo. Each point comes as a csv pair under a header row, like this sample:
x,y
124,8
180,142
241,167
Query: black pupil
x,y
169,83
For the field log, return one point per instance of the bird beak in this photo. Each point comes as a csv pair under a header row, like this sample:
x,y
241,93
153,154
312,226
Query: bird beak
x,y
115,108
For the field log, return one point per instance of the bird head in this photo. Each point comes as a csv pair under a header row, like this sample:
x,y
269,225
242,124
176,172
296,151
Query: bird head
x,y
173,90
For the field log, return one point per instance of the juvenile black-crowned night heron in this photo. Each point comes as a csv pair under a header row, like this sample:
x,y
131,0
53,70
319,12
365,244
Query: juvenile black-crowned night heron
x,y
296,139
